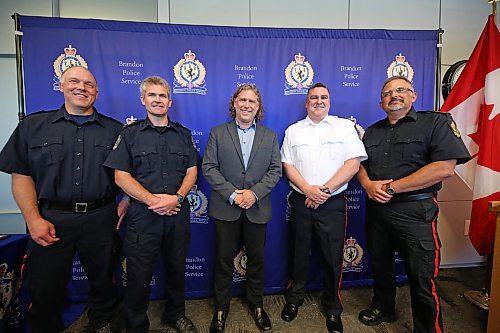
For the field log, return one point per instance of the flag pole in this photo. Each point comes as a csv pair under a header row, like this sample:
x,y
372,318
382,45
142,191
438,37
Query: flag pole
x,y
494,9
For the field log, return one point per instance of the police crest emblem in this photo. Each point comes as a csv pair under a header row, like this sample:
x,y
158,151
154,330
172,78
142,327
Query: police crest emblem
x,y
198,203
299,76
66,60
189,75
240,266
353,256
400,67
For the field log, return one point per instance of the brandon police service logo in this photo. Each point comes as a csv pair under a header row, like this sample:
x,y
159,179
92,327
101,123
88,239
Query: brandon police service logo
x,y
353,256
198,203
400,67
66,60
6,288
299,76
240,266
189,75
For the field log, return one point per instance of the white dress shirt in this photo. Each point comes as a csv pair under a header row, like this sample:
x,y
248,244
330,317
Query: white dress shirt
x,y
318,151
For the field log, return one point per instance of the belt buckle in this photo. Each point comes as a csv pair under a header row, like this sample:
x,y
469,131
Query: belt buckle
x,y
81,207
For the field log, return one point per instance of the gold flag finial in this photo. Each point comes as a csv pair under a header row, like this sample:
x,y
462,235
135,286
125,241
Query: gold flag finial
x,y
494,9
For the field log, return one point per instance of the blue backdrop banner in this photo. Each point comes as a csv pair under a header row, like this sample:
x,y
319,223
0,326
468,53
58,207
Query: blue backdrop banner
x,y
204,65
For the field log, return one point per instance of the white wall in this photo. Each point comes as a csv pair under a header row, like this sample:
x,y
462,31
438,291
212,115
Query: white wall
x,y
462,21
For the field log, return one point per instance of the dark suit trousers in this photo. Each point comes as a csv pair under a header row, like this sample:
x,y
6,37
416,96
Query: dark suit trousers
x,y
228,236
326,225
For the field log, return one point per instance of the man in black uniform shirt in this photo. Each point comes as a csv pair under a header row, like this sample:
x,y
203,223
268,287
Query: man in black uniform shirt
x,y
155,163
67,198
409,154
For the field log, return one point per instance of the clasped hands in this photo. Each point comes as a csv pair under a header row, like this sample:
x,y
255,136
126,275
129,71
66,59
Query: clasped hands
x,y
377,190
244,199
167,204
316,195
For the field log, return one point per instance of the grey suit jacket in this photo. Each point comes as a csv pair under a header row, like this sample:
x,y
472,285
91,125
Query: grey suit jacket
x,y
224,170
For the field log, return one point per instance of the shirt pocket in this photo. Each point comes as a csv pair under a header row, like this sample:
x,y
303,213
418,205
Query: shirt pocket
x,y
331,146
409,148
145,158
46,150
373,150
103,147
300,148
179,157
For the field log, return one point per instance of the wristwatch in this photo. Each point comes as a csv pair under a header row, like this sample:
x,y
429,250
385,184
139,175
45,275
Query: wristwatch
x,y
390,190
180,198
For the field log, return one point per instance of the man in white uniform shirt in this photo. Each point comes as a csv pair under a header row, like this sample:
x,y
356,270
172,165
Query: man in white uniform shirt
x,y
320,154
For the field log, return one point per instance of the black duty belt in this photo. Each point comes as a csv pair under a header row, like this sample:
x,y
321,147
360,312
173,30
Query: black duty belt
x,y
77,207
411,197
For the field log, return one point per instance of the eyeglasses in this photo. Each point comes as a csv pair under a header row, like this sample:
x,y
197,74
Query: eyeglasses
x,y
399,90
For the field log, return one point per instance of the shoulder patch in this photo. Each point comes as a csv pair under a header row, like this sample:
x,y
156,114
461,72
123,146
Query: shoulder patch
x,y
454,127
117,142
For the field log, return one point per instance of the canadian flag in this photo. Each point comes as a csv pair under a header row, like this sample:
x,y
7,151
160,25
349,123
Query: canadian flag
x,y
474,103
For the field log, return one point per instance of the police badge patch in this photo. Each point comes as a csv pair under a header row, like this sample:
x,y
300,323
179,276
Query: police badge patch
x,y
66,60
299,76
400,67
454,128
353,256
189,75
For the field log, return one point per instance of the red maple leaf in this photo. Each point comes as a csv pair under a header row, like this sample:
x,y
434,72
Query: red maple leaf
x,y
487,137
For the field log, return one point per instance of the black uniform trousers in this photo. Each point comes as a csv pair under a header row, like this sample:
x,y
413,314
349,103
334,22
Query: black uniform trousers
x,y
228,236
48,268
147,236
411,229
326,225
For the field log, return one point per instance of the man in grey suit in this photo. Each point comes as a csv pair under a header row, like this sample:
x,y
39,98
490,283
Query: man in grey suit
x,y
242,163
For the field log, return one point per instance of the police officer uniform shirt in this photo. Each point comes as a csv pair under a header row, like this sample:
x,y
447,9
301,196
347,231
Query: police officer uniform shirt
x,y
317,151
157,159
63,158
395,151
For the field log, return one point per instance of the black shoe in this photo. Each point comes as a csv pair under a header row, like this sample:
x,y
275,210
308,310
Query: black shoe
x,y
261,319
334,324
218,322
374,316
183,325
289,311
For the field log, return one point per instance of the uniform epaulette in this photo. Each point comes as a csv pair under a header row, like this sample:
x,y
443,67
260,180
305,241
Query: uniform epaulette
x,y
432,111
38,112
181,126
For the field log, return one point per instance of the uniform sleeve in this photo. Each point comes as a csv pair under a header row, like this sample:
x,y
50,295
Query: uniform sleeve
x,y
286,152
354,145
14,155
194,156
446,142
120,157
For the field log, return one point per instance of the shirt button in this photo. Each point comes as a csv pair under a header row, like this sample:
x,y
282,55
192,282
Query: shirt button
x,y
79,140
386,154
388,140
78,154
77,184
45,143
77,168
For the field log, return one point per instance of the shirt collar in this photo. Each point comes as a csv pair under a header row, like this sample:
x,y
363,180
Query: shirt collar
x,y
308,122
147,123
410,116
62,113
254,125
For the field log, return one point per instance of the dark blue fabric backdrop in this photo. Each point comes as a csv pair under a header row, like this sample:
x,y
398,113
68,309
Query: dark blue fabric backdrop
x,y
204,65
